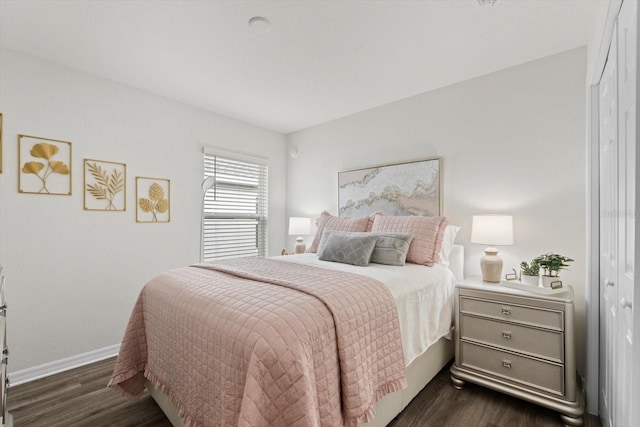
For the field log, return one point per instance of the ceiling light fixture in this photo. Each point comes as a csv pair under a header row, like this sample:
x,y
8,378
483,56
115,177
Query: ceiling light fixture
x,y
260,24
487,2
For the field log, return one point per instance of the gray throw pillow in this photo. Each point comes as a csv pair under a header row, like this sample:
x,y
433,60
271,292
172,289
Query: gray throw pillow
x,y
391,248
347,248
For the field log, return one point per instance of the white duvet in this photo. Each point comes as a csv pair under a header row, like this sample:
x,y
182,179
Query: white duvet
x,y
424,298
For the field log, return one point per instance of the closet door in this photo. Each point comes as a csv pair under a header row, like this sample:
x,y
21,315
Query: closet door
x,y
619,392
608,232
627,163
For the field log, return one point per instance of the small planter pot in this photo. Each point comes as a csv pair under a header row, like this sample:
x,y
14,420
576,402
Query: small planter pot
x,y
548,281
530,280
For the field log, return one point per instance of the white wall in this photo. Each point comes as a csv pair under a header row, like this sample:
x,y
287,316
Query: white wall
x,y
510,142
73,276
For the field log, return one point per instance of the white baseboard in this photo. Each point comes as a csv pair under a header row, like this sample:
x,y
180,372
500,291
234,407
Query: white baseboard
x,y
51,368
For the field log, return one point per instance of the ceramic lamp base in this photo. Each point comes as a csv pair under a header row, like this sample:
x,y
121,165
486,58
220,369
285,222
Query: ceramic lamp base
x,y
491,265
300,245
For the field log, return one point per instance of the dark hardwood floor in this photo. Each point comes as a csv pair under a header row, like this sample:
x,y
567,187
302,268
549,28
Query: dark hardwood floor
x,y
80,398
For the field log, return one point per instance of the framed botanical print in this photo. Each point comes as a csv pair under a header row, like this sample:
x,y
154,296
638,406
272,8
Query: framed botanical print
x,y
44,165
153,199
105,186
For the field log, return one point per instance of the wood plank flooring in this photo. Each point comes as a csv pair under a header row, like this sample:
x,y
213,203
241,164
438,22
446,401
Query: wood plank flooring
x,y
80,398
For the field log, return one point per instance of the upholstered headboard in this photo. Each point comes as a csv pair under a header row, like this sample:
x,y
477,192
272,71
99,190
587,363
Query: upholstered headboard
x,y
411,188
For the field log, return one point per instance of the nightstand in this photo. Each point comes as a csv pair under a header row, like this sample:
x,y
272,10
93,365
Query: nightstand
x,y
518,342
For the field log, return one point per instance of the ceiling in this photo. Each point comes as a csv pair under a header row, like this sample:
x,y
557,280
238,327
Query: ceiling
x,y
321,60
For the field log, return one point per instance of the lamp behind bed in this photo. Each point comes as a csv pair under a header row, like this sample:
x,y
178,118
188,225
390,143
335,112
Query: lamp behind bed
x,y
299,227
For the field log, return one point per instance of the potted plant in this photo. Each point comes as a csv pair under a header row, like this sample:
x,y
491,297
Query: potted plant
x,y
551,264
530,273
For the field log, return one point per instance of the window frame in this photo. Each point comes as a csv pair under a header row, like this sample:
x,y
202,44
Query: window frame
x,y
227,233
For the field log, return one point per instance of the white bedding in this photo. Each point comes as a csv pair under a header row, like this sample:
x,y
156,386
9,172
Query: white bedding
x,y
424,298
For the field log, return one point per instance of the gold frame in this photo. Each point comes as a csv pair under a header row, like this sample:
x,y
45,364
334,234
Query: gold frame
x,y
1,162
69,169
151,205
106,185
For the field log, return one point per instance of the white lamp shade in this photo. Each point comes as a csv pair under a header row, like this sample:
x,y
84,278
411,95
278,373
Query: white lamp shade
x,y
492,229
299,226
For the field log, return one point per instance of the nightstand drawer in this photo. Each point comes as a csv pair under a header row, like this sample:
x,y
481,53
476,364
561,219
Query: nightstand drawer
x,y
513,312
537,342
528,372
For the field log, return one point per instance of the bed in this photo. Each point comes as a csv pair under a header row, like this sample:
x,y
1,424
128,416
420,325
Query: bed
x,y
427,351
344,335
419,371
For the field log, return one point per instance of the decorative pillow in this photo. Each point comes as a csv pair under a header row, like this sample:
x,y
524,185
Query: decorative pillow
x,y
427,234
331,222
347,248
448,240
372,217
326,233
391,248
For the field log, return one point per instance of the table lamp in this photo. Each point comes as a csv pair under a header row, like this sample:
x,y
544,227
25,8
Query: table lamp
x,y
492,230
299,227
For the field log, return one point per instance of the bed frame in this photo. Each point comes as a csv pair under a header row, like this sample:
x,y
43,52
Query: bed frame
x,y
418,373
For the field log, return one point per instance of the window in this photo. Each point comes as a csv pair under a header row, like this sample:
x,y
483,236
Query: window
x,y
235,208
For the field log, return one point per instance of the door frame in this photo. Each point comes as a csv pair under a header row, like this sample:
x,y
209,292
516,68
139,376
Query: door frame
x,y
592,291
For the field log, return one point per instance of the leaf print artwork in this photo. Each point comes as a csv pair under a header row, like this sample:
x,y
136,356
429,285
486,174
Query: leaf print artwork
x,y
45,166
106,186
45,151
157,202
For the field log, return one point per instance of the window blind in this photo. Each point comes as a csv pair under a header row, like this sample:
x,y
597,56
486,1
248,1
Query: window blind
x,y
235,209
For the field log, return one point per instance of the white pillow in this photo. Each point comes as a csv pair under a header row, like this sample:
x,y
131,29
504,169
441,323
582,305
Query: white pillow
x,y
448,240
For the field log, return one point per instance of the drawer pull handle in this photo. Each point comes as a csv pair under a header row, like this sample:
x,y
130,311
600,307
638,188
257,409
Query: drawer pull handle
x,y
506,335
506,364
506,311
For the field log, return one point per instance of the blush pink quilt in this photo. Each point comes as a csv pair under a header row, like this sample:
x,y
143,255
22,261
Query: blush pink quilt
x,y
261,342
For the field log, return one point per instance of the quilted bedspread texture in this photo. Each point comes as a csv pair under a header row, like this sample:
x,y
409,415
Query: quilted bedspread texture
x,y
261,342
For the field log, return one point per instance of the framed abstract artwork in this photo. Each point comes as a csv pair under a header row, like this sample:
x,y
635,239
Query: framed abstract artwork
x,y
412,188
105,186
153,199
44,165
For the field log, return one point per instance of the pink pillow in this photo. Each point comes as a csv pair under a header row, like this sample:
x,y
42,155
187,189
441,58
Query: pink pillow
x,y
330,222
427,231
372,217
